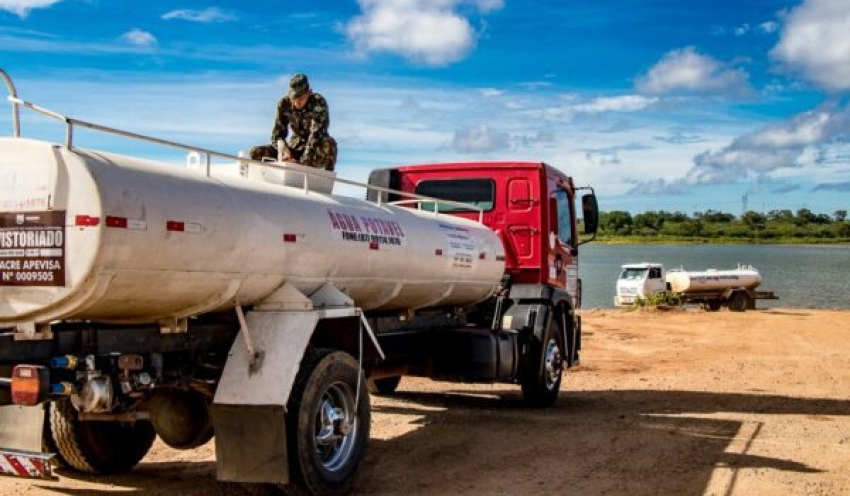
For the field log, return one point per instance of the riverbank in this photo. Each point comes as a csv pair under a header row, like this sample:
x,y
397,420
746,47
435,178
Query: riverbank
x,y
681,240
678,402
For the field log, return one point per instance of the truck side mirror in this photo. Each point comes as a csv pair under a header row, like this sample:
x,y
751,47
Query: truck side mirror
x,y
590,212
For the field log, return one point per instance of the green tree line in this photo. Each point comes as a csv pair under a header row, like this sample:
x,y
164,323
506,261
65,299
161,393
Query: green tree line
x,y
776,226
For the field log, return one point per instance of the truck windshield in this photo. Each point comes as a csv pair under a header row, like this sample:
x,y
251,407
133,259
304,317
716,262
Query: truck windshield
x,y
633,274
478,192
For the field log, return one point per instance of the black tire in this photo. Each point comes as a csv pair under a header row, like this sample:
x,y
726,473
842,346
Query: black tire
x,y
739,302
326,432
95,447
712,305
181,418
544,366
384,385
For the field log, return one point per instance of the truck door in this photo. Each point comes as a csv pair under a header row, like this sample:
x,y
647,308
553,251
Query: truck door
x,y
654,281
563,259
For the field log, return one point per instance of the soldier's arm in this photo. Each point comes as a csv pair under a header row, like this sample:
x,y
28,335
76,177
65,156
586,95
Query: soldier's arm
x,y
281,123
319,122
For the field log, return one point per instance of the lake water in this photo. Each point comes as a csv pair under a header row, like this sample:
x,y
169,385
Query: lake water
x,y
802,276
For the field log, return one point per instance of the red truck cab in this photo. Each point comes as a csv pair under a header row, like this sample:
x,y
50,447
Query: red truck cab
x,y
530,205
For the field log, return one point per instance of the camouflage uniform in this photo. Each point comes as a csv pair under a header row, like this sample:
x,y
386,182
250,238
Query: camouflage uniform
x,y
310,144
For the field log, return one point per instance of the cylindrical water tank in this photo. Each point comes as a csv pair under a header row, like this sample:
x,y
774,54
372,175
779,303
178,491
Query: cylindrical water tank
x,y
713,280
92,235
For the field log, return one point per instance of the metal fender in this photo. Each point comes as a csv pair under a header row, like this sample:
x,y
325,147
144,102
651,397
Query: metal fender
x,y
249,411
534,303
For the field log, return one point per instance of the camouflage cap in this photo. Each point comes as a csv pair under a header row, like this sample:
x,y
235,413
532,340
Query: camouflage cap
x,y
298,85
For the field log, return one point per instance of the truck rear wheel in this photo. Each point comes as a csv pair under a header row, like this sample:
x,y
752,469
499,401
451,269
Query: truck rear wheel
x,y
327,424
95,447
384,385
541,378
739,302
712,305
181,418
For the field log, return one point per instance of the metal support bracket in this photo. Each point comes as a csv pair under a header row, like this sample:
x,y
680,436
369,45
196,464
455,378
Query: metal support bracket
x,y
174,325
371,334
330,296
30,331
255,358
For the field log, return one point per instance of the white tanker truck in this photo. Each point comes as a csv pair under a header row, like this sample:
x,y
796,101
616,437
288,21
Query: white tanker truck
x,y
247,301
712,288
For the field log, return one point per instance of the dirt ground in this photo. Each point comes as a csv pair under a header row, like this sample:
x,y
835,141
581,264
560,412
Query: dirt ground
x,y
664,403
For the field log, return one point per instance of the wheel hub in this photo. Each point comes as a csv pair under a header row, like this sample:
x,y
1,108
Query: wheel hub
x,y
336,426
553,363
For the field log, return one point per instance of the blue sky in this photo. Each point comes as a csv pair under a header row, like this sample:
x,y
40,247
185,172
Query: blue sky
x,y
659,104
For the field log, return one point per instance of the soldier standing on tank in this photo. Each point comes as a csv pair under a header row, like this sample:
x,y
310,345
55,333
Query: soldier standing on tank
x,y
306,114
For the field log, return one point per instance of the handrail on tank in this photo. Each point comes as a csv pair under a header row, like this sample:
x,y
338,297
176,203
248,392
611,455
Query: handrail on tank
x,y
69,142
421,199
13,95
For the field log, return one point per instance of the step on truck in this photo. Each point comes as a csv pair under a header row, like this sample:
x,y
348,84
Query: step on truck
x,y
246,301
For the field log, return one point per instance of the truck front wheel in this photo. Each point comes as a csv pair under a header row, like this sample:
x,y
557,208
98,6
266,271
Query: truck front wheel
x,y
328,424
541,379
95,447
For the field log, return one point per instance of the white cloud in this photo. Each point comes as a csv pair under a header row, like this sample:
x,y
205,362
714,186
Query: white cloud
x,y
480,139
488,5
432,32
575,107
139,37
816,44
490,92
769,27
22,8
35,42
624,103
786,145
209,15
687,71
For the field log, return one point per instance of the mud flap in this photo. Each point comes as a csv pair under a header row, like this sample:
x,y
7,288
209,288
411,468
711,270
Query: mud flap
x,y
249,409
250,443
21,430
21,427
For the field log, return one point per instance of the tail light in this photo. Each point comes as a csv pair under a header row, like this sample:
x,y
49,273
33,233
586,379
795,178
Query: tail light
x,y
30,384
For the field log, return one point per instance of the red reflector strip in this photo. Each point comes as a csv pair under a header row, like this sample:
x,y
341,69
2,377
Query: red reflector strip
x,y
26,464
374,246
289,238
86,220
119,222
175,226
438,252
500,258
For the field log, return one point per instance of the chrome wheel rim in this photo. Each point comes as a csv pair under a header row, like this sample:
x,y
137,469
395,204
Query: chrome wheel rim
x,y
553,364
336,426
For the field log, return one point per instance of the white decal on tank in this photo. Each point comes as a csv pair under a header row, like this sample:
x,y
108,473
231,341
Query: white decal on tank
x,y
461,247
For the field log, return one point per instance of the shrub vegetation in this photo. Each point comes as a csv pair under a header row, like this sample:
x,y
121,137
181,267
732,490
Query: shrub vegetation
x,y
776,226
